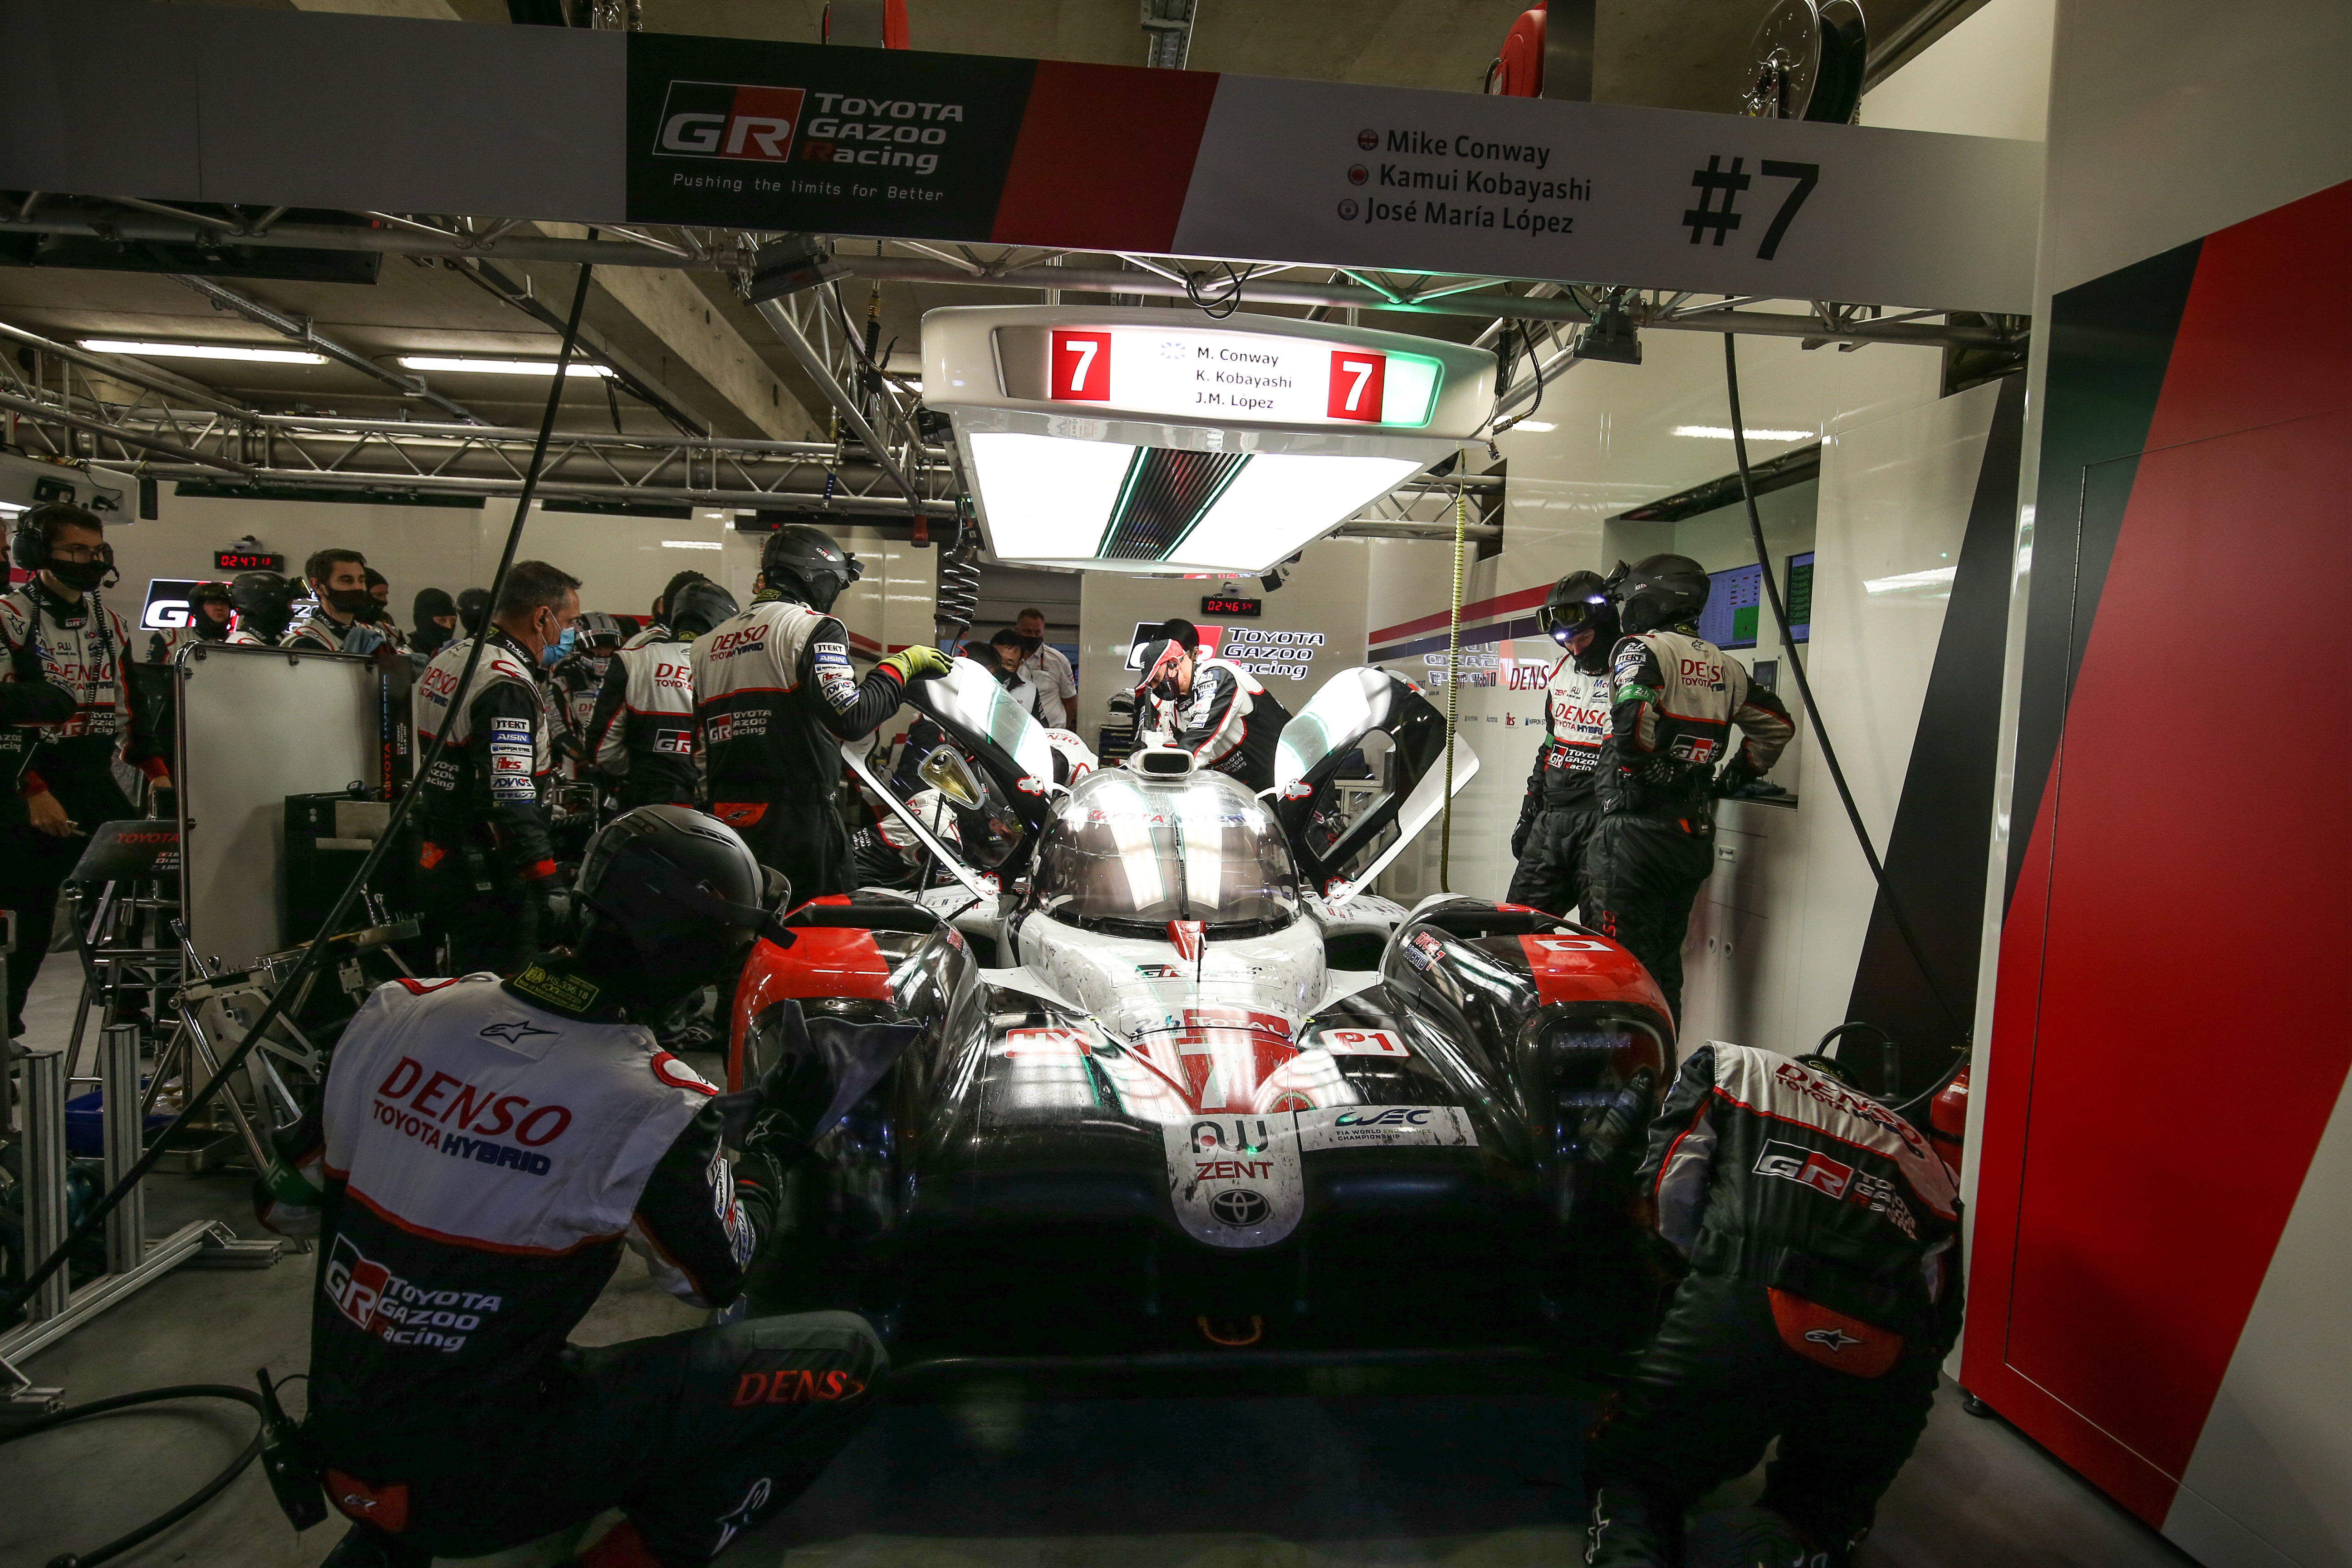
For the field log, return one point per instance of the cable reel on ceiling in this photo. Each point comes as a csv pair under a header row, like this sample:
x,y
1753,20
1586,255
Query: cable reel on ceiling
x,y
1807,62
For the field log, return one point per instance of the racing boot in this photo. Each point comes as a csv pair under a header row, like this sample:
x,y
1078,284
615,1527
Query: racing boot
x,y
1626,1532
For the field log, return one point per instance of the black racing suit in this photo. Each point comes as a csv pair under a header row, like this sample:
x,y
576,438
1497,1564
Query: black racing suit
x,y
1674,699
1229,722
775,695
1821,1231
487,862
481,1155
1554,837
641,735
63,741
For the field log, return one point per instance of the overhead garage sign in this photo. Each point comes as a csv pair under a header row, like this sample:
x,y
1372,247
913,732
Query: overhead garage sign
x,y
229,104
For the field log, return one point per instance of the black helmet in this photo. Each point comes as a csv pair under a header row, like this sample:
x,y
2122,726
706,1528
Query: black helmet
x,y
697,606
1579,600
473,611
599,632
805,563
204,594
1659,591
211,593
263,601
670,899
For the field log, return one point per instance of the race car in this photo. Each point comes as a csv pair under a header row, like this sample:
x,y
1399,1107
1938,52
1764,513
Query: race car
x,y
1157,1074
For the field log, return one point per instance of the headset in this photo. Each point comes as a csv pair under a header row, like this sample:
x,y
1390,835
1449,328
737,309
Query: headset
x,y
28,541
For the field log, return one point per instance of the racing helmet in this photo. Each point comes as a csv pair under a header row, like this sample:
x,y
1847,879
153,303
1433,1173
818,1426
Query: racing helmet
x,y
264,603
668,898
1659,591
1576,602
599,633
698,606
805,563
208,594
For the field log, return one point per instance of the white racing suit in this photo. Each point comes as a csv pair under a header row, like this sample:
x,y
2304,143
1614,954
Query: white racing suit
x,y
1229,722
640,734
484,1155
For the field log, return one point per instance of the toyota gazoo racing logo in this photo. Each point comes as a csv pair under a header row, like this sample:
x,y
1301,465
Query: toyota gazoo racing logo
x,y
727,119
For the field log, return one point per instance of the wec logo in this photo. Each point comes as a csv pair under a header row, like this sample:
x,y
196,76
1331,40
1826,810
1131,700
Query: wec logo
x,y
729,120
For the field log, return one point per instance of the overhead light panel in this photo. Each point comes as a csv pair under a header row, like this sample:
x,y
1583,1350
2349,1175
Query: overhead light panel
x,y
691,544
1723,433
1121,439
459,365
144,349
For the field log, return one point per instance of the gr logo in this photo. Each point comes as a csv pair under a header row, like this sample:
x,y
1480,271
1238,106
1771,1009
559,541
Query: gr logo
x,y
726,120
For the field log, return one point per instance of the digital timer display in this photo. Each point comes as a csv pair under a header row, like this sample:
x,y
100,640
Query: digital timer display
x,y
1232,609
247,561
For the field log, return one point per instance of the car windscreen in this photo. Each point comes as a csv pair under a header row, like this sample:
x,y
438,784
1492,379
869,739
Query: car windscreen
x,y
1126,855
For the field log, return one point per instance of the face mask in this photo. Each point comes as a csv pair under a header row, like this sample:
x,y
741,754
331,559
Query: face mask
x,y
429,637
83,576
349,601
560,649
1031,645
207,628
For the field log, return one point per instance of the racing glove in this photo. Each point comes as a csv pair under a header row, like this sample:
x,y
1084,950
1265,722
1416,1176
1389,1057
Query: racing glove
x,y
1526,822
920,662
1735,777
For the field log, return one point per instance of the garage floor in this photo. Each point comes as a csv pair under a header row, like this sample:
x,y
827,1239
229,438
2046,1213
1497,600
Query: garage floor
x,y
988,1478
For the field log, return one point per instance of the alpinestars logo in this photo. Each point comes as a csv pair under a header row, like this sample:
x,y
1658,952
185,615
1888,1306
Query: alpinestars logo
x,y
1833,1340
727,119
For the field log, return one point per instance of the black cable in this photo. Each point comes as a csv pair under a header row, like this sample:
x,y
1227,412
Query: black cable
x,y
1813,715
1224,305
177,1512
12,1304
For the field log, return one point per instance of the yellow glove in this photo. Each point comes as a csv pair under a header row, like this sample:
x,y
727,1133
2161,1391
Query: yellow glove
x,y
920,662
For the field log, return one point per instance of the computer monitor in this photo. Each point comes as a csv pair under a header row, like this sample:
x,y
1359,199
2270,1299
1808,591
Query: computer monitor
x,y
1736,609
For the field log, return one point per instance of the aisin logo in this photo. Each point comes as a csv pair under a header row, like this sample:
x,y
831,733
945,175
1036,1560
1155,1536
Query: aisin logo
x,y
1238,1207
729,120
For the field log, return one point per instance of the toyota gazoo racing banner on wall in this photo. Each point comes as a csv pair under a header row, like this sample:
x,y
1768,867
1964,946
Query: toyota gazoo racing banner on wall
x,y
966,148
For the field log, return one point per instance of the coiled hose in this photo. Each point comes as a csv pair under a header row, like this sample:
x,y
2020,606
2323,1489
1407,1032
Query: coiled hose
x,y
177,1512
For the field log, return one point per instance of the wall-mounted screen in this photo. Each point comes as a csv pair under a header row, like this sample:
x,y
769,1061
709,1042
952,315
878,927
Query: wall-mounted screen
x,y
1736,607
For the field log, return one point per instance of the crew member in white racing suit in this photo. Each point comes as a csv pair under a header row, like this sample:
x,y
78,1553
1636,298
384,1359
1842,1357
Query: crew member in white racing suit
x,y
345,618
483,1152
486,864
642,732
210,611
264,601
1820,1231
1674,698
775,695
1213,709
577,678
1553,839
60,757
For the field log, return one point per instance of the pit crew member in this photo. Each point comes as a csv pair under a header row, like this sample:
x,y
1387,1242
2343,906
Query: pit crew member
x,y
486,864
1046,668
434,616
340,621
1216,709
642,732
1674,698
1820,1231
577,677
60,769
483,1152
658,628
774,698
1554,835
264,601
209,612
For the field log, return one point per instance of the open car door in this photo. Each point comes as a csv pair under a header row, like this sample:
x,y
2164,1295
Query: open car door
x,y
1317,746
998,791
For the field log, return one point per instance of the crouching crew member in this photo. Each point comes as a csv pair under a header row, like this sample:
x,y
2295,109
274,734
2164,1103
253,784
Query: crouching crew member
x,y
642,732
1674,698
54,631
483,1152
486,864
1820,1229
1213,709
775,695
1554,836
264,601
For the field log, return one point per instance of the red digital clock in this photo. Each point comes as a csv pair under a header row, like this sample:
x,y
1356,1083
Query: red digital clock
x,y
1232,609
247,561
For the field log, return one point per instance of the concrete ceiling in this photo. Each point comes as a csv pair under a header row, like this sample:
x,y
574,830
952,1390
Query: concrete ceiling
x,y
687,335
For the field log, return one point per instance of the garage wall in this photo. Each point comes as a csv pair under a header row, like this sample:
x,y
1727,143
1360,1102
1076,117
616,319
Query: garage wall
x,y
2177,1346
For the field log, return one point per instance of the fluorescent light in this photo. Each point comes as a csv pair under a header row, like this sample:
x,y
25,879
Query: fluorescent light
x,y
1543,426
1047,498
497,367
201,350
690,544
1913,582
1280,502
1723,433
